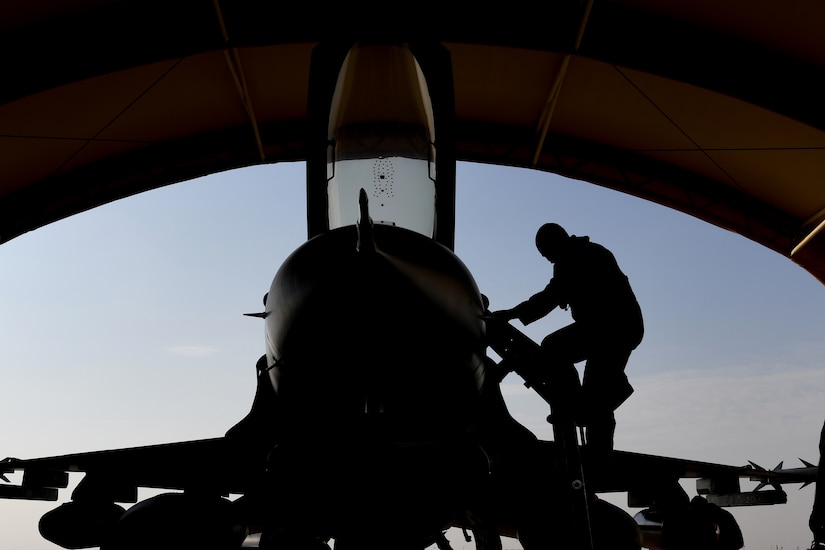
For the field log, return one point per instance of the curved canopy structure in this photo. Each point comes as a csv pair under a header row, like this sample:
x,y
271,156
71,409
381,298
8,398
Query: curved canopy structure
x,y
713,108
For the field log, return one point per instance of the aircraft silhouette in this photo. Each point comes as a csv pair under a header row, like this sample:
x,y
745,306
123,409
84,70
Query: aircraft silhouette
x,y
378,418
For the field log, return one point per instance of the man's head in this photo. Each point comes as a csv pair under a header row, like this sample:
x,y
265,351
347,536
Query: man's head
x,y
550,239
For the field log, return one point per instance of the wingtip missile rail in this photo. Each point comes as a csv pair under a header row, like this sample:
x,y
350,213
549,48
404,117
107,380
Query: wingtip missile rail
x,y
779,475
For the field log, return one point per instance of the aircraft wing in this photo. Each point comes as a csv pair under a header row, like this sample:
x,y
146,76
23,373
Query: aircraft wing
x,y
718,483
215,464
206,463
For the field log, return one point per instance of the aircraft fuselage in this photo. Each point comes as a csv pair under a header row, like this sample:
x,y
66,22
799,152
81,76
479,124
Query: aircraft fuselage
x,y
375,359
387,340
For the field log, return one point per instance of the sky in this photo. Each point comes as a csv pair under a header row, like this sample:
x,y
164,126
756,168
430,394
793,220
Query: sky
x,y
123,326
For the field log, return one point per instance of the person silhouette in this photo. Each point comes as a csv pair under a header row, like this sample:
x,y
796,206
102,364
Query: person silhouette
x,y
607,327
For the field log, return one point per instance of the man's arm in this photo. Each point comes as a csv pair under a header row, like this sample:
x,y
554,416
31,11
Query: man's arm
x,y
534,308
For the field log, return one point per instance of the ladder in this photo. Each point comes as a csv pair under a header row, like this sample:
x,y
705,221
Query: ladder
x,y
523,356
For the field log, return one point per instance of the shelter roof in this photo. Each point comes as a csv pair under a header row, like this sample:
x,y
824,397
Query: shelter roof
x,y
713,108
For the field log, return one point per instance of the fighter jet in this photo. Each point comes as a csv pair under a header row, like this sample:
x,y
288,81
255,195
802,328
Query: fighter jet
x,y
378,418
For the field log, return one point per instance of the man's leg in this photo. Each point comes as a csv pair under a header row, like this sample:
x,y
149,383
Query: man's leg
x,y
604,388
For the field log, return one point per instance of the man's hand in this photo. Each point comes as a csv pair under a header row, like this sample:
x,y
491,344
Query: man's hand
x,y
505,314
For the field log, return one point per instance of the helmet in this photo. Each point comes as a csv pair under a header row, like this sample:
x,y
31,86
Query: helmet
x,y
549,239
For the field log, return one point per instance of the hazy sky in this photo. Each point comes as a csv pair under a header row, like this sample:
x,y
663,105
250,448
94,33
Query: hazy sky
x,y
123,326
